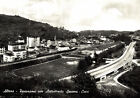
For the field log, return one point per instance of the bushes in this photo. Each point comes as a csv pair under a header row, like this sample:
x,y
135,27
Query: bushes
x,y
137,48
83,82
138,43
122,37
8,81
84,63
132,79
59,85
137,55
87,83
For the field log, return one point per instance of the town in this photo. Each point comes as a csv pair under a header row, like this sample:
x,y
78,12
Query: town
x,y
70,62
69,49
33,46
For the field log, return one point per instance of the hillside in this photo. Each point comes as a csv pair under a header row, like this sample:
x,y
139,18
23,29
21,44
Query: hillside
x,y
124,36
108,32
13,26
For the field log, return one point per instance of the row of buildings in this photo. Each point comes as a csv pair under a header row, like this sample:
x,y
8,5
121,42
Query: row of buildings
x,y
18,50
21,49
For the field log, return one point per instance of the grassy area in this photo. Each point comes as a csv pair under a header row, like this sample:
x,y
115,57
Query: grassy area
x,y
49,71
132,79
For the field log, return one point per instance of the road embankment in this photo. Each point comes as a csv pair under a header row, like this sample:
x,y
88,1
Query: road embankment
x,y
40,59
30,62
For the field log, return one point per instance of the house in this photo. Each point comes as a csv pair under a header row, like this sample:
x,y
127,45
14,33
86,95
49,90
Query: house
x,y
33,41
2,50
16,46
49,43
18,50
8,57
62,48
20,54
73,40
20,40
87,52
43,43
103,38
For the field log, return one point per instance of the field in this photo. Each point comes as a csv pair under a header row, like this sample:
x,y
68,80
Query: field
x,y
132,79
50,70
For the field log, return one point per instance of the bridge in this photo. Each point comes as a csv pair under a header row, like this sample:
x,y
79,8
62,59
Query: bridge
x,y
123,62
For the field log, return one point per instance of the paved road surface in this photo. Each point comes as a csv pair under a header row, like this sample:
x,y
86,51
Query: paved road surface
x,y
124,59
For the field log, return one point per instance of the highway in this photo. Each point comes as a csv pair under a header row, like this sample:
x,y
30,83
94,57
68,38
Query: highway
x,y
104,70
126,58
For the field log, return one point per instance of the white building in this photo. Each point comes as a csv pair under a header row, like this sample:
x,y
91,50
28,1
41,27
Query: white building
x,y
16,46
33,41
74,40
20,40
62,48
20,54
2,50
87,52
8,57
49,43
18,50
103,38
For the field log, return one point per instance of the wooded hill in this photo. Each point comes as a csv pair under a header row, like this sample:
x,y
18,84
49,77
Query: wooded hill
x,y
13,26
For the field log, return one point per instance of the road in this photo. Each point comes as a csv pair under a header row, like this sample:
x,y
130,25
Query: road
x,y
126,58
136,62
111,85
46,69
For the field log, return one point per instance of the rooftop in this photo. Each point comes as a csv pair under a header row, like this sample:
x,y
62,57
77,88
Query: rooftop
x,y
17,44
19,50
9,54
20,38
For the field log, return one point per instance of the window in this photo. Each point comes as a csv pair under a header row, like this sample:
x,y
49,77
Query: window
x,y
6,59
23,47
15,47
18,56
0,51
24,56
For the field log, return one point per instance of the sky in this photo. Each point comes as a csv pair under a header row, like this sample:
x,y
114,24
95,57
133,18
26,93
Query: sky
x,y
77,15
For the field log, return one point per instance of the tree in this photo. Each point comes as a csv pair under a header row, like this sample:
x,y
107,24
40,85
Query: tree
x,y
123,37
88,59
87,83
84,63
96,57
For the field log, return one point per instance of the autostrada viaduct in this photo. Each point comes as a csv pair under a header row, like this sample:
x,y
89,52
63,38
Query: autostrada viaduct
x,y
125,61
